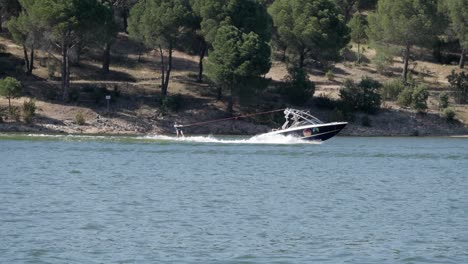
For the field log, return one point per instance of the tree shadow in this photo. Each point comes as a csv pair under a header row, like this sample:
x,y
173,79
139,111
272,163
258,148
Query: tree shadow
x,y
88,71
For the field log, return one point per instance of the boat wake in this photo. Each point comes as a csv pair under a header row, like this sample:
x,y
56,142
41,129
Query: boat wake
x,y
265,139
259,139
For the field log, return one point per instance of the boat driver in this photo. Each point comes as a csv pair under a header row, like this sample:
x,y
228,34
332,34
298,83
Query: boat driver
x,y
289,121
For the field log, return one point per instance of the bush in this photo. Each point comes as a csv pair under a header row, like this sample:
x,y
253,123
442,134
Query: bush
x,y
419,98
324,102
116,92
330,75
171,103
391,90
74,95
405,97
51,94
443,100
99,94
337,115
382,62
459,83
29,110
51,68
299,89
449,114
79,119
363,96
15,113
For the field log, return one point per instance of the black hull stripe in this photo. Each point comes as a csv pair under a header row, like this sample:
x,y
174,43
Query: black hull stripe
x,y
316,135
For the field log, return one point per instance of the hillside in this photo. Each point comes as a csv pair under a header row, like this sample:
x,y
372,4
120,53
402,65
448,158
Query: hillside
x,y
135,79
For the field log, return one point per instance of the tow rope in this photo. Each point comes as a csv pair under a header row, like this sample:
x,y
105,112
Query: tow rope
x,y
179,127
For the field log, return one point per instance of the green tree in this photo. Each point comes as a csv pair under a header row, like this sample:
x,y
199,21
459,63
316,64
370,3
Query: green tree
x,y
311,28
459,83
419,98
405,23
69,23
458,14
8,8
237,58
346,8
161,24
367,4
246,15
27,32
299,89
358,25
107,30
10,88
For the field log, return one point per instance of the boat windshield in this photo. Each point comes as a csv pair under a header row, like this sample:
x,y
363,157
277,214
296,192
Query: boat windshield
x,y
297,118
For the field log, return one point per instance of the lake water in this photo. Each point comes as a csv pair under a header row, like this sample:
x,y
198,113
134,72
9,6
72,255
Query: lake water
x,y
72,199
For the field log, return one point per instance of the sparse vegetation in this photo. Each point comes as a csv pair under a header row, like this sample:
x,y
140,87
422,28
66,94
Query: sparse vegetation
x,y
443,100
382,62
406,97
51,69
330,75
80,119
29,110
392,89
449,114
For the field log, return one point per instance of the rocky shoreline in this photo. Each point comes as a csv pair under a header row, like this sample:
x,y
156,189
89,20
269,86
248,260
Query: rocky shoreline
x,y
386,124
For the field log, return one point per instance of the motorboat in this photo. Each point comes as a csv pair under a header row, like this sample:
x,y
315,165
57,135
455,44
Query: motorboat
x,y
302,124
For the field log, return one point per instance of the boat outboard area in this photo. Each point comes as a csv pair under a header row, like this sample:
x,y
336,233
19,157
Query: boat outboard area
x,y
298,123
302,124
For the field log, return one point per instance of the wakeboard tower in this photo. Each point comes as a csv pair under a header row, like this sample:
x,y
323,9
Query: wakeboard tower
x,y
302,124
299,123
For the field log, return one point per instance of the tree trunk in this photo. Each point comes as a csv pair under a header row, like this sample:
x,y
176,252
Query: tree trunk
x,y
406,63
31,62
65,72
106,58
125,20
301,60
283,56
163,70
26,58
9,105
200,63
1,22
140,51
358,53
462,59
219,93
168,72
230,107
